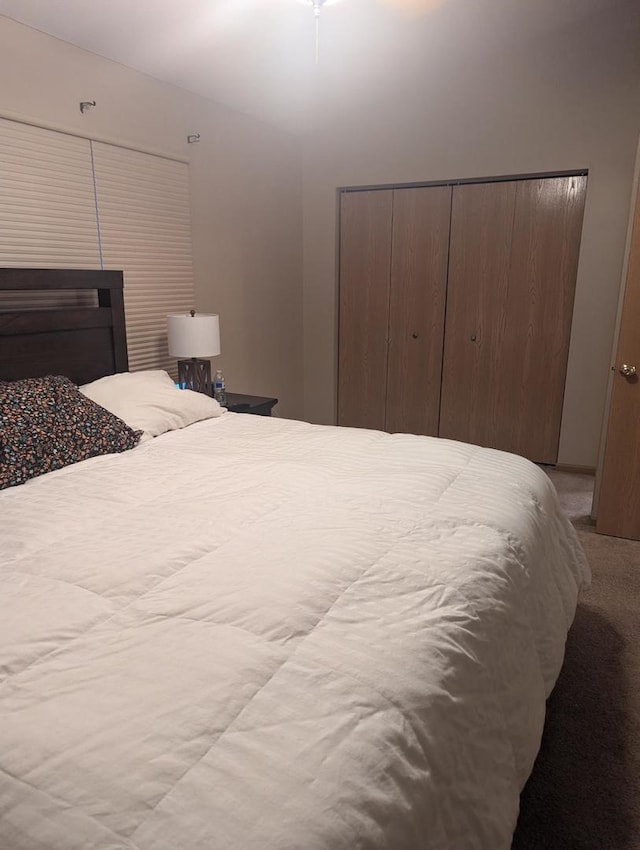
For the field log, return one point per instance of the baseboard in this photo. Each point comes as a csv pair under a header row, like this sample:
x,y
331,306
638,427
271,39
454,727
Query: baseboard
x,y
581,470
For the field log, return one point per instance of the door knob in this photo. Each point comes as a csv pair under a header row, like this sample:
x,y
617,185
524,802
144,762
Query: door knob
x,y
628,371
414,335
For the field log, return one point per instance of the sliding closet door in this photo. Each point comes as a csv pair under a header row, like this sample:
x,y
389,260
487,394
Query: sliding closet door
x,y
420,247
365,259
513,263
544,267
480,249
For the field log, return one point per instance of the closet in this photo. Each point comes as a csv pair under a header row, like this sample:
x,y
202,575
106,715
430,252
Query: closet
x,y
455,307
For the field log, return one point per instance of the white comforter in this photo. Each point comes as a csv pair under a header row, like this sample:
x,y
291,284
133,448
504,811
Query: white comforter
x,y
257,634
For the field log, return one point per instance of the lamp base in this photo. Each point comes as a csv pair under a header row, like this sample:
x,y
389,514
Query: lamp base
x,y
195,374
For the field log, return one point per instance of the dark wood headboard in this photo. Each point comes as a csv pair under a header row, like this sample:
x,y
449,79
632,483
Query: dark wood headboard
x,y
83,343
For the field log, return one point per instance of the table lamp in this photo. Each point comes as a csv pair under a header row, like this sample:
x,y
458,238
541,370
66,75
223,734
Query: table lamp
x,y
194,337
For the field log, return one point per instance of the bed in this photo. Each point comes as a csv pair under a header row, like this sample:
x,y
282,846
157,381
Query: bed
x,y
258,633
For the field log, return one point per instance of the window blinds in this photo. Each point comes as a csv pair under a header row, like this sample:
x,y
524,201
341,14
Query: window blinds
x,y
143,206
66,202
47,207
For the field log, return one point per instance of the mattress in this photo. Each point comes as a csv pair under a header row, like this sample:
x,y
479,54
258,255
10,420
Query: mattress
x,y
256,633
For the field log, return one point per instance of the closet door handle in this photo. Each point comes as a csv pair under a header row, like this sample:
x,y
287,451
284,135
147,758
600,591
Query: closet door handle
x,y
414,335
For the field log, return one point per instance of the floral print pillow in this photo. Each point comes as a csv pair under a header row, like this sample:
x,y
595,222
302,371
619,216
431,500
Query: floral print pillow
x,y
47,423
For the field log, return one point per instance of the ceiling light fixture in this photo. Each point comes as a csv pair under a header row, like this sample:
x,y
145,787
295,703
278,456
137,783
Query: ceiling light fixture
x,y
316,5
409,6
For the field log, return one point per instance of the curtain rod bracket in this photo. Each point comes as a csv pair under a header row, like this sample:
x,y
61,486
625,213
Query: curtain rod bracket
x,y
86,105
193,138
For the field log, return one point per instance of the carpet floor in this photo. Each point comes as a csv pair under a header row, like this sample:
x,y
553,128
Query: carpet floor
x,y
584,791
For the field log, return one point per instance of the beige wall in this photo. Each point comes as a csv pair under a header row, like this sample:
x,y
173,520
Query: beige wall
x,y
569,102
562,103
245,194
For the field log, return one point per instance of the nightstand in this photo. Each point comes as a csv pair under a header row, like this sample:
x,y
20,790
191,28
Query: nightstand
x,y
259,406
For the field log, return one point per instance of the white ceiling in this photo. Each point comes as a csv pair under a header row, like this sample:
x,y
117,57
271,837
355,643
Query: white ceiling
x,y
258,55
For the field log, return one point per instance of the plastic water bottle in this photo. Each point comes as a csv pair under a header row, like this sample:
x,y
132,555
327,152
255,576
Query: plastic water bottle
x,y
219,388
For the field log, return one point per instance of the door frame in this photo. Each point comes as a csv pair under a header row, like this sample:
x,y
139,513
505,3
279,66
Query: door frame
x,y
500,178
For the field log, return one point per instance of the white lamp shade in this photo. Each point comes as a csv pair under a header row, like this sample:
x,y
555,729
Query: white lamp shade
x,y
193,336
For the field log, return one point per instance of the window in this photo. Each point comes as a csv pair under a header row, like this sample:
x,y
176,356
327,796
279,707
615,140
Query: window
x,y
67,202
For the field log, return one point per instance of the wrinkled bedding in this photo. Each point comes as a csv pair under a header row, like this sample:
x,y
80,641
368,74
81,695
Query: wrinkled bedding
x,y
256,634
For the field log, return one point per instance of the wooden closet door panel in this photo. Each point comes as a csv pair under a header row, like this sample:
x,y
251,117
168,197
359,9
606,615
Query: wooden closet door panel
x,y
419,256
544,265
516,280
365,258
476,320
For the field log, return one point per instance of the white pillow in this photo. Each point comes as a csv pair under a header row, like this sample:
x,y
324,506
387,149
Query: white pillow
x,y
150,401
